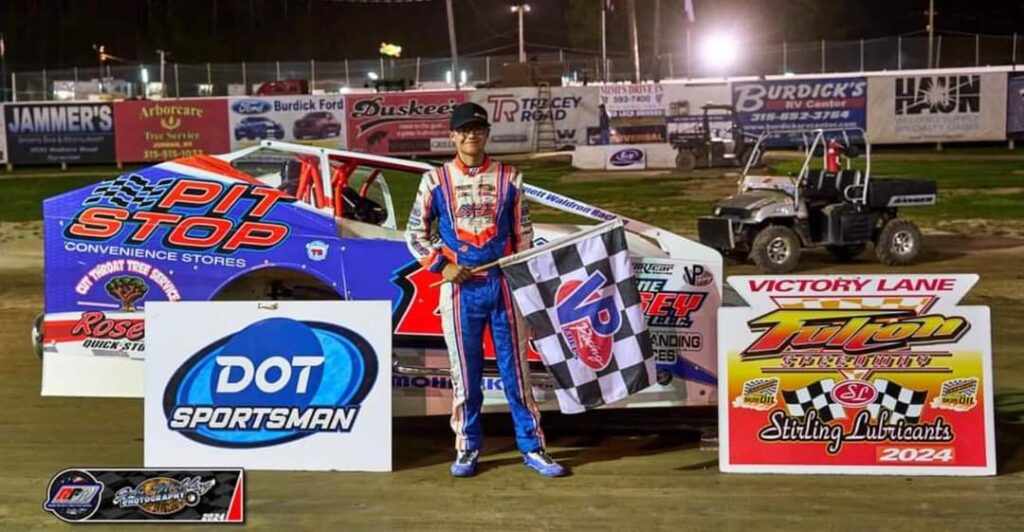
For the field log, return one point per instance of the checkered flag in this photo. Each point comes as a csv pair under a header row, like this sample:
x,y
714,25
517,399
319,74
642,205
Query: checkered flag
x,y
902,403
817,397
129,190
580,299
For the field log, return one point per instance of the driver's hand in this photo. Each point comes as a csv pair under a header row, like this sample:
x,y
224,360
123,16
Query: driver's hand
x,y
456,274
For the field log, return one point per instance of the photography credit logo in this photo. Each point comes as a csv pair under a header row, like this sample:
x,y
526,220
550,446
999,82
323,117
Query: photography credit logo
x,y
164,496
274,381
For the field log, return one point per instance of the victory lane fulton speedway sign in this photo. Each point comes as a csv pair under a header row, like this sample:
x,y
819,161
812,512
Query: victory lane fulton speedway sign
x,y
873,374
288,385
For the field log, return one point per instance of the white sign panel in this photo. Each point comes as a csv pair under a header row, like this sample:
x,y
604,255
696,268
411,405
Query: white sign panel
x,y
625,158
3,139
515,114
937,108
633,100
680,99
317,120
290,385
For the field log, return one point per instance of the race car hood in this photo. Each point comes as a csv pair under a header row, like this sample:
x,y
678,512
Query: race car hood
x,y
752,200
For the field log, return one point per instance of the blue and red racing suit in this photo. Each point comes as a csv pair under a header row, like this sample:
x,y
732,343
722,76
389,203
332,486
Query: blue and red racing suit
x,y
481,216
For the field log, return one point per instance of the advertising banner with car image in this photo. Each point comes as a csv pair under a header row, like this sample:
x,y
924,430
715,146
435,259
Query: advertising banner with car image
x,y
401,123
158,130
317,120
937,108
285,385
516,114
804,104
869,374
55,133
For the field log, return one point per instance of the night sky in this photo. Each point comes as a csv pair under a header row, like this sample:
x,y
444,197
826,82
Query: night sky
x,y
59,33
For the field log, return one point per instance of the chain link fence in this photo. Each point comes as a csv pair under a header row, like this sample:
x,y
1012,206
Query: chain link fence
x,y
223,79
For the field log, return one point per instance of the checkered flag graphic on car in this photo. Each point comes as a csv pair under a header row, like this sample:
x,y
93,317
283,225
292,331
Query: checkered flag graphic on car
x,y
817,396
902,403
129,190
580,299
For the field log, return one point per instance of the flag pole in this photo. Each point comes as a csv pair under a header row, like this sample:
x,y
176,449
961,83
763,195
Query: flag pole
x,y
3,67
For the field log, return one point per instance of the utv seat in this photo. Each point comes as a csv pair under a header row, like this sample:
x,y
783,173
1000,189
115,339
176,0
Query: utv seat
x,y
828,187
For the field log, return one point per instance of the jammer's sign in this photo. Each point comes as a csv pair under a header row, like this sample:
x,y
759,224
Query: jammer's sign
x,y
871,374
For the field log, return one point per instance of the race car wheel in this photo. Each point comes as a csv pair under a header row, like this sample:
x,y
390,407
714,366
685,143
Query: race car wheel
x,y
686,161
37,336
847,253
898,243
776,249
279,135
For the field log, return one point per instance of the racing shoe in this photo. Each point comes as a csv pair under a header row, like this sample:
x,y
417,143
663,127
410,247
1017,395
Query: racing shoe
x,y
543,463
465,463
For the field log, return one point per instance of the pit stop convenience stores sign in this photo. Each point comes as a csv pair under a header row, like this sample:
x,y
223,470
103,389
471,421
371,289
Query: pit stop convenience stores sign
x,y
872,374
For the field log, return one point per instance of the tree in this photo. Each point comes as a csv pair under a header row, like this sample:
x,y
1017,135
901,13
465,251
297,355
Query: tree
x,y
127,289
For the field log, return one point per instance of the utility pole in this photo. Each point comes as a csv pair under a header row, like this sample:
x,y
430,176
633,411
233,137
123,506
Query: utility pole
x,y
451,42
635,44
604,39
520,9
656,37
931,31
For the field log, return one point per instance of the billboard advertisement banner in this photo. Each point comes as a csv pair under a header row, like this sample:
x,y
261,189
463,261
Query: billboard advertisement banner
x,y
868,374
317,120
931,108
158,130
516,112
59,133
293,385
401,123
803,104
652,113
1015,107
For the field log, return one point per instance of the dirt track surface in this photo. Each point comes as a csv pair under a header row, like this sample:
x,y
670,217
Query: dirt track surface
x,y
632,470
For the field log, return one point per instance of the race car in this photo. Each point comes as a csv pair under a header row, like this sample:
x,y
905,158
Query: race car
x,y
287,221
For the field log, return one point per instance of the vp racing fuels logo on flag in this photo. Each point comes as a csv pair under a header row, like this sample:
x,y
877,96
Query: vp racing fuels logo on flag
x,y
588,318
275,381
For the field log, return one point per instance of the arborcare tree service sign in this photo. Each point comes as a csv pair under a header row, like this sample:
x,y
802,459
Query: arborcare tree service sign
x,y
873,374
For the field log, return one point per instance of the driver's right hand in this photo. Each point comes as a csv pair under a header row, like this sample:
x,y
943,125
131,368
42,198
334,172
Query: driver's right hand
x,y
455,274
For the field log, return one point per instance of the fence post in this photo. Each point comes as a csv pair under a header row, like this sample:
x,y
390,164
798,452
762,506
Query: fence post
x,y
823,56
177,86
938,52
418,71
245,82
312,75
76,75
785,58
487,67
45,95
278,66
899,53
862,55
977,49
671,67
209,78
14,86
382,76
347,83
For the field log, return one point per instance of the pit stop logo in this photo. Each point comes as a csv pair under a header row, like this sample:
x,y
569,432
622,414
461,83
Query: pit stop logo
x,y
274,381
185,214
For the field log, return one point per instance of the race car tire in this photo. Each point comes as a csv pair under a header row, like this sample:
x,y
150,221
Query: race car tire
x,y
776,249
37,336
898,243
685,160
847,253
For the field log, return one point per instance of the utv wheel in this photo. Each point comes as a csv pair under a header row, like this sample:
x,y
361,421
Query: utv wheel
x,y
899,242
776,249
686,161
847,253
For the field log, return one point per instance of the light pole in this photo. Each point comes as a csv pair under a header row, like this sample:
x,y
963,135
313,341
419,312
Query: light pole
x,y
520,9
